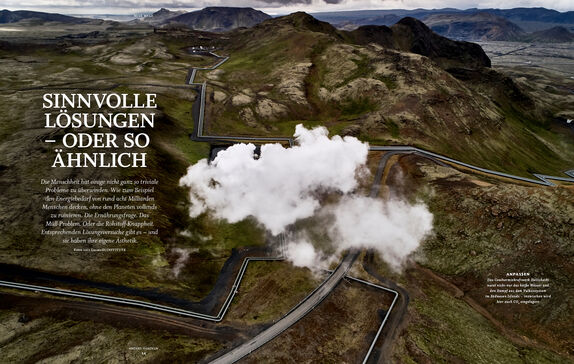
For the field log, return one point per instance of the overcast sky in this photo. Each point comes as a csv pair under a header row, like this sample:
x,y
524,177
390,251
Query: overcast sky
x,y
273,7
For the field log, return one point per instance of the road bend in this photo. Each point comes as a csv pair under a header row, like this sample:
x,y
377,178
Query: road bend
x,y
297,313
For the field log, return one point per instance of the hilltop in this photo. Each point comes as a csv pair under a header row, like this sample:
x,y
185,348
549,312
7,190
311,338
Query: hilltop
x,y
553,35
219,19
412,35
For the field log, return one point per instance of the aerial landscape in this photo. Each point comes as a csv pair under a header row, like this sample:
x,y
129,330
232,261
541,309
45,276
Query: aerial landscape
x,y
286,182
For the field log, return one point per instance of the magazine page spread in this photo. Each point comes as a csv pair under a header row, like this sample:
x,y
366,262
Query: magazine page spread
x,y
286,182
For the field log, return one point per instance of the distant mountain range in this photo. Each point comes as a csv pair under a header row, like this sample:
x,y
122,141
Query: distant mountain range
x,y
159,17
221,19
485,26
7,16
476,26
557,34
516,15
211,19
519,24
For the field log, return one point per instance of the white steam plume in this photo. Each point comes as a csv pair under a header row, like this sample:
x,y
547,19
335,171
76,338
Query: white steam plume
x,y
280,187
182,258
394,228
283,185
303,254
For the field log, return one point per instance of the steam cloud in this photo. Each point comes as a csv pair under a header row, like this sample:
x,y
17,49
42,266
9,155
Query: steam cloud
x,y
285,185
394,228
280,187
182,258
303,254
